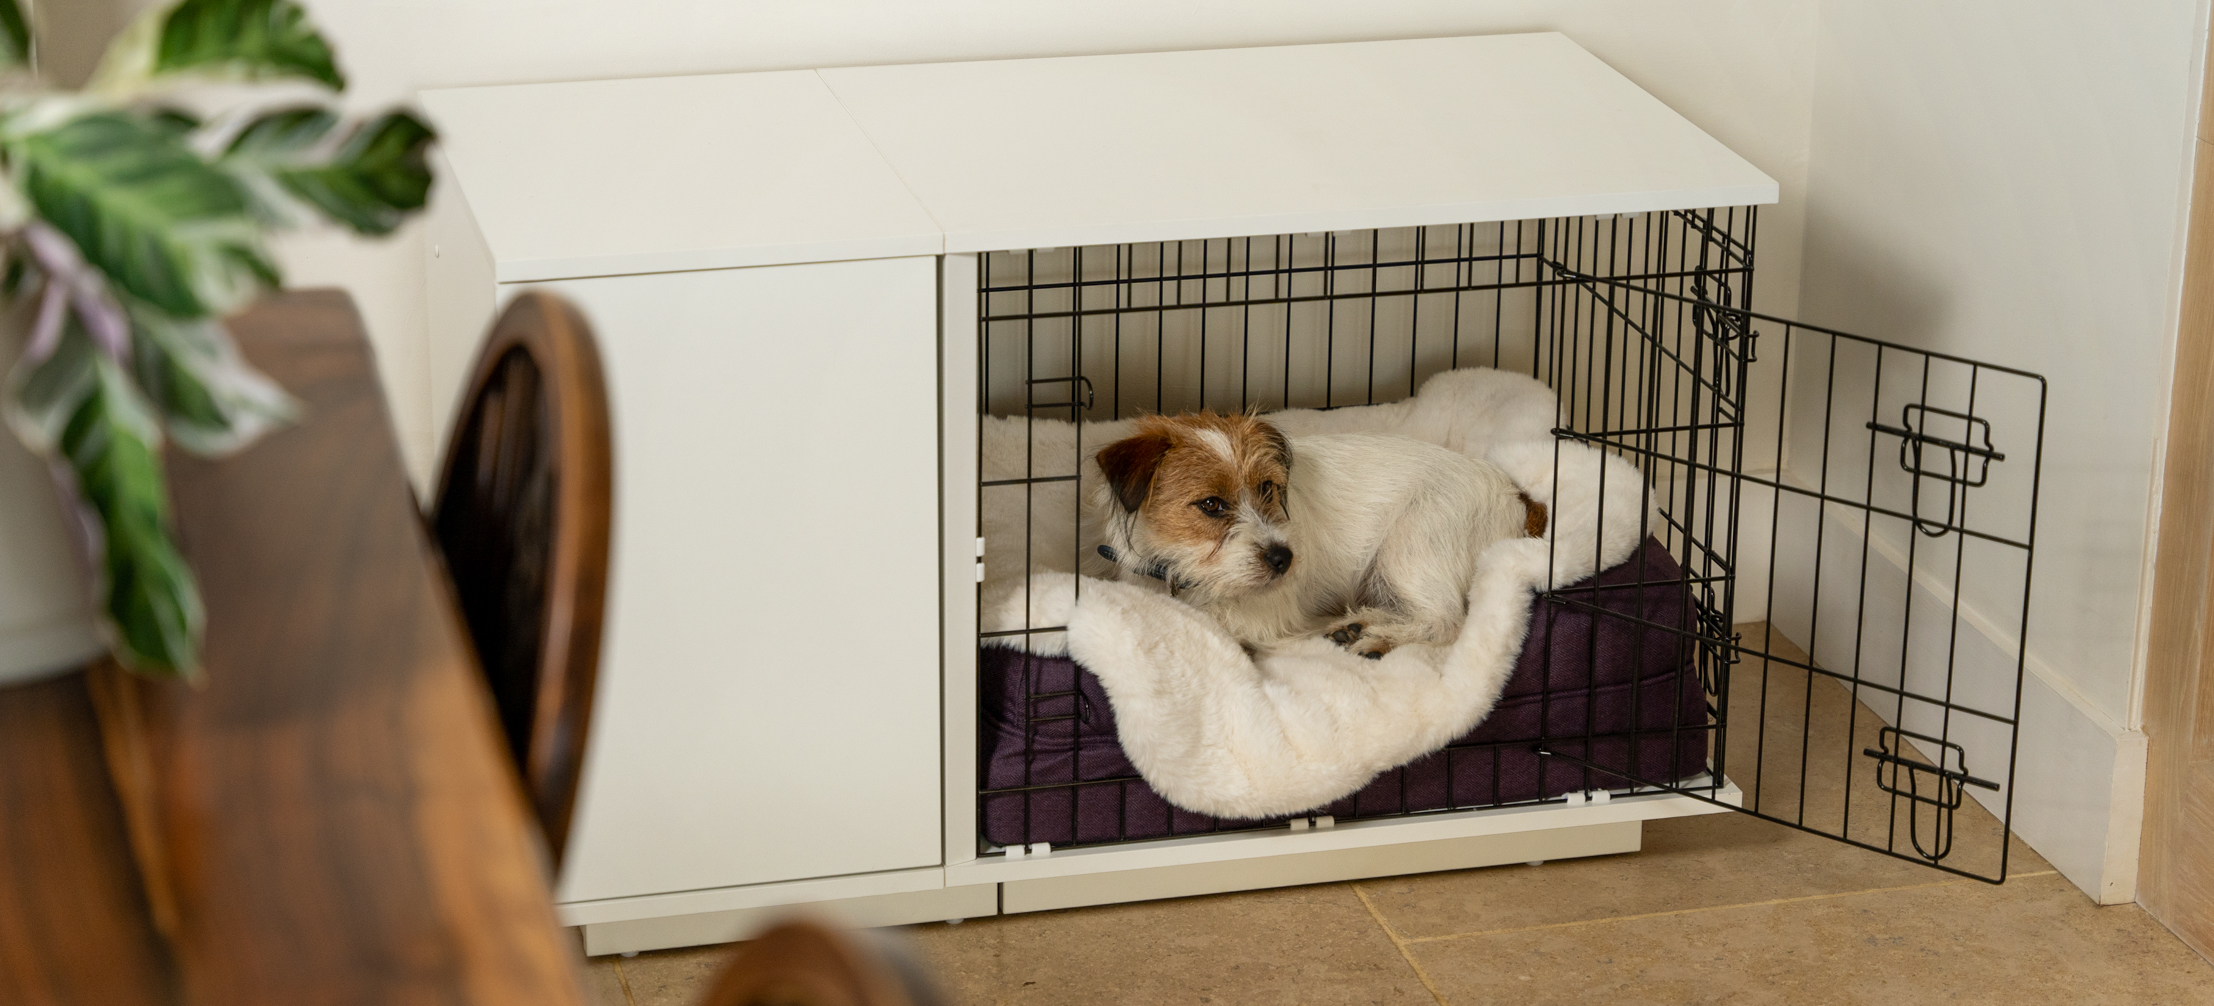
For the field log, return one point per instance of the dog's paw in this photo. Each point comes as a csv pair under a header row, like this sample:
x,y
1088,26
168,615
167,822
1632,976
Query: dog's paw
x,y
1361,637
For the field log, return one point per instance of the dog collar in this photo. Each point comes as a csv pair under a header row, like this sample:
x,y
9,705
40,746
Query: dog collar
x,y
1158,570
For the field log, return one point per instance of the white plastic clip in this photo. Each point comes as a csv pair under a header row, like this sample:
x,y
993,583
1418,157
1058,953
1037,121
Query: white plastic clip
x,y
980,547
1317,823
1041,849
1601,796
1325,821
980,572
1573,799
1299,824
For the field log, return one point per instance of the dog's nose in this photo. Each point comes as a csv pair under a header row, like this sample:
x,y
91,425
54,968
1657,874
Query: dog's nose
x,y
1278,558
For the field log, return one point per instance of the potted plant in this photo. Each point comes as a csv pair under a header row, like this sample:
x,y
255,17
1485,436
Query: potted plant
x,y
133,217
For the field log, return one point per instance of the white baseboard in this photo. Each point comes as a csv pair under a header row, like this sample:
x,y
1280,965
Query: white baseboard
x,y
2080,790
942,905
627,935
1320,867
750,896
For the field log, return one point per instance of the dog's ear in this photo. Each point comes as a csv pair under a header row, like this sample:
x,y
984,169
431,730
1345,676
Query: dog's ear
x,y
1278,444
1129,463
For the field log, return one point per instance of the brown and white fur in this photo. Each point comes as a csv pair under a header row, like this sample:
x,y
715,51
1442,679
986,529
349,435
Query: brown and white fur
x,y
1368,539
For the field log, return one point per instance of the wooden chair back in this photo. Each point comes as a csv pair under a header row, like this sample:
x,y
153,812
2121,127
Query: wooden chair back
x,y
804,964
522,513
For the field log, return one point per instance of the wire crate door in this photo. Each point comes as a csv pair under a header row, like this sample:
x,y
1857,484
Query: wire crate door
x,y
1855,521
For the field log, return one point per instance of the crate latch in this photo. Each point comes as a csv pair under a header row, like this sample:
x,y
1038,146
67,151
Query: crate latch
x,y
1967,463
1939,787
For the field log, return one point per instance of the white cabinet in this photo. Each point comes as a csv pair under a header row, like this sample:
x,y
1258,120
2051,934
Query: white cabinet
x,y
771,653
778,267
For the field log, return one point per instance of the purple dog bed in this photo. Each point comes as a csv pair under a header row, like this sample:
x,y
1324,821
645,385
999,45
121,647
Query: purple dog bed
x,y
1599,688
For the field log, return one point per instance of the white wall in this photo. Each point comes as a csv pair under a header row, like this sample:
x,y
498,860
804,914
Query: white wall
x,y
2003,180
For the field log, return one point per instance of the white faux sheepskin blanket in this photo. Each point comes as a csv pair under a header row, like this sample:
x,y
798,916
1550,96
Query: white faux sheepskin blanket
x,y
1217,732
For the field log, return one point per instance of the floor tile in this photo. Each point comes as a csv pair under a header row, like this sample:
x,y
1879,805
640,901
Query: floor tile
x,y
673,977
1300,945
1696,862
2033,940
1716,909
1808,765
1723,859
603,983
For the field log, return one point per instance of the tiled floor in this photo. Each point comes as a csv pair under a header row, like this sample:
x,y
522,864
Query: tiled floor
x,y
1720,909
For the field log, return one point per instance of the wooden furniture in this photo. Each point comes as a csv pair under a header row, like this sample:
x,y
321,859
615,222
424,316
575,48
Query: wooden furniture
x,y
521,514
331,817
804,964
2176,876
74,925
787,304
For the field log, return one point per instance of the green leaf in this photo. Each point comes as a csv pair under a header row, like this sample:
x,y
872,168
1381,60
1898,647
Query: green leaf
x,y
279,137
275,141
248,259
148,594
210,399
41,397
163,225
15,35
174,121
378,176
248,38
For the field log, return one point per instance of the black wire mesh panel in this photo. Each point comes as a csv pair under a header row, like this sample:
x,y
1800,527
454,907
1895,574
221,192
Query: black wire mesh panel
x,y
1873,510
1326,321
1638,324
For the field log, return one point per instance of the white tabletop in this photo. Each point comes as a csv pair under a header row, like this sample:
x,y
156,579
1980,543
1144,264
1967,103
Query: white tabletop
x,y
705,172
614,177
1228,142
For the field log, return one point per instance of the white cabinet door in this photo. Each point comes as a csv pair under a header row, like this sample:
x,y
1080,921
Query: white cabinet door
x,y
768,700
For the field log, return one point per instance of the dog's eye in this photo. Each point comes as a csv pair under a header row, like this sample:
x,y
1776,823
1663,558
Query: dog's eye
x,y
1213,506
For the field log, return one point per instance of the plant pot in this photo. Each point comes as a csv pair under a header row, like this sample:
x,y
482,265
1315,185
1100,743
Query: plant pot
x,y
46,614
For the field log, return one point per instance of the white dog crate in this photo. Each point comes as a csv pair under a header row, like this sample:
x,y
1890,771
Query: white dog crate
x,y
822,294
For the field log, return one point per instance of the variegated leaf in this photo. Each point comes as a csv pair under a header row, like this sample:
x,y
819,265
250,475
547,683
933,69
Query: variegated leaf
x,y
273,142
375,179
239,40
148,595
43,394
163,226
211,401
246,38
